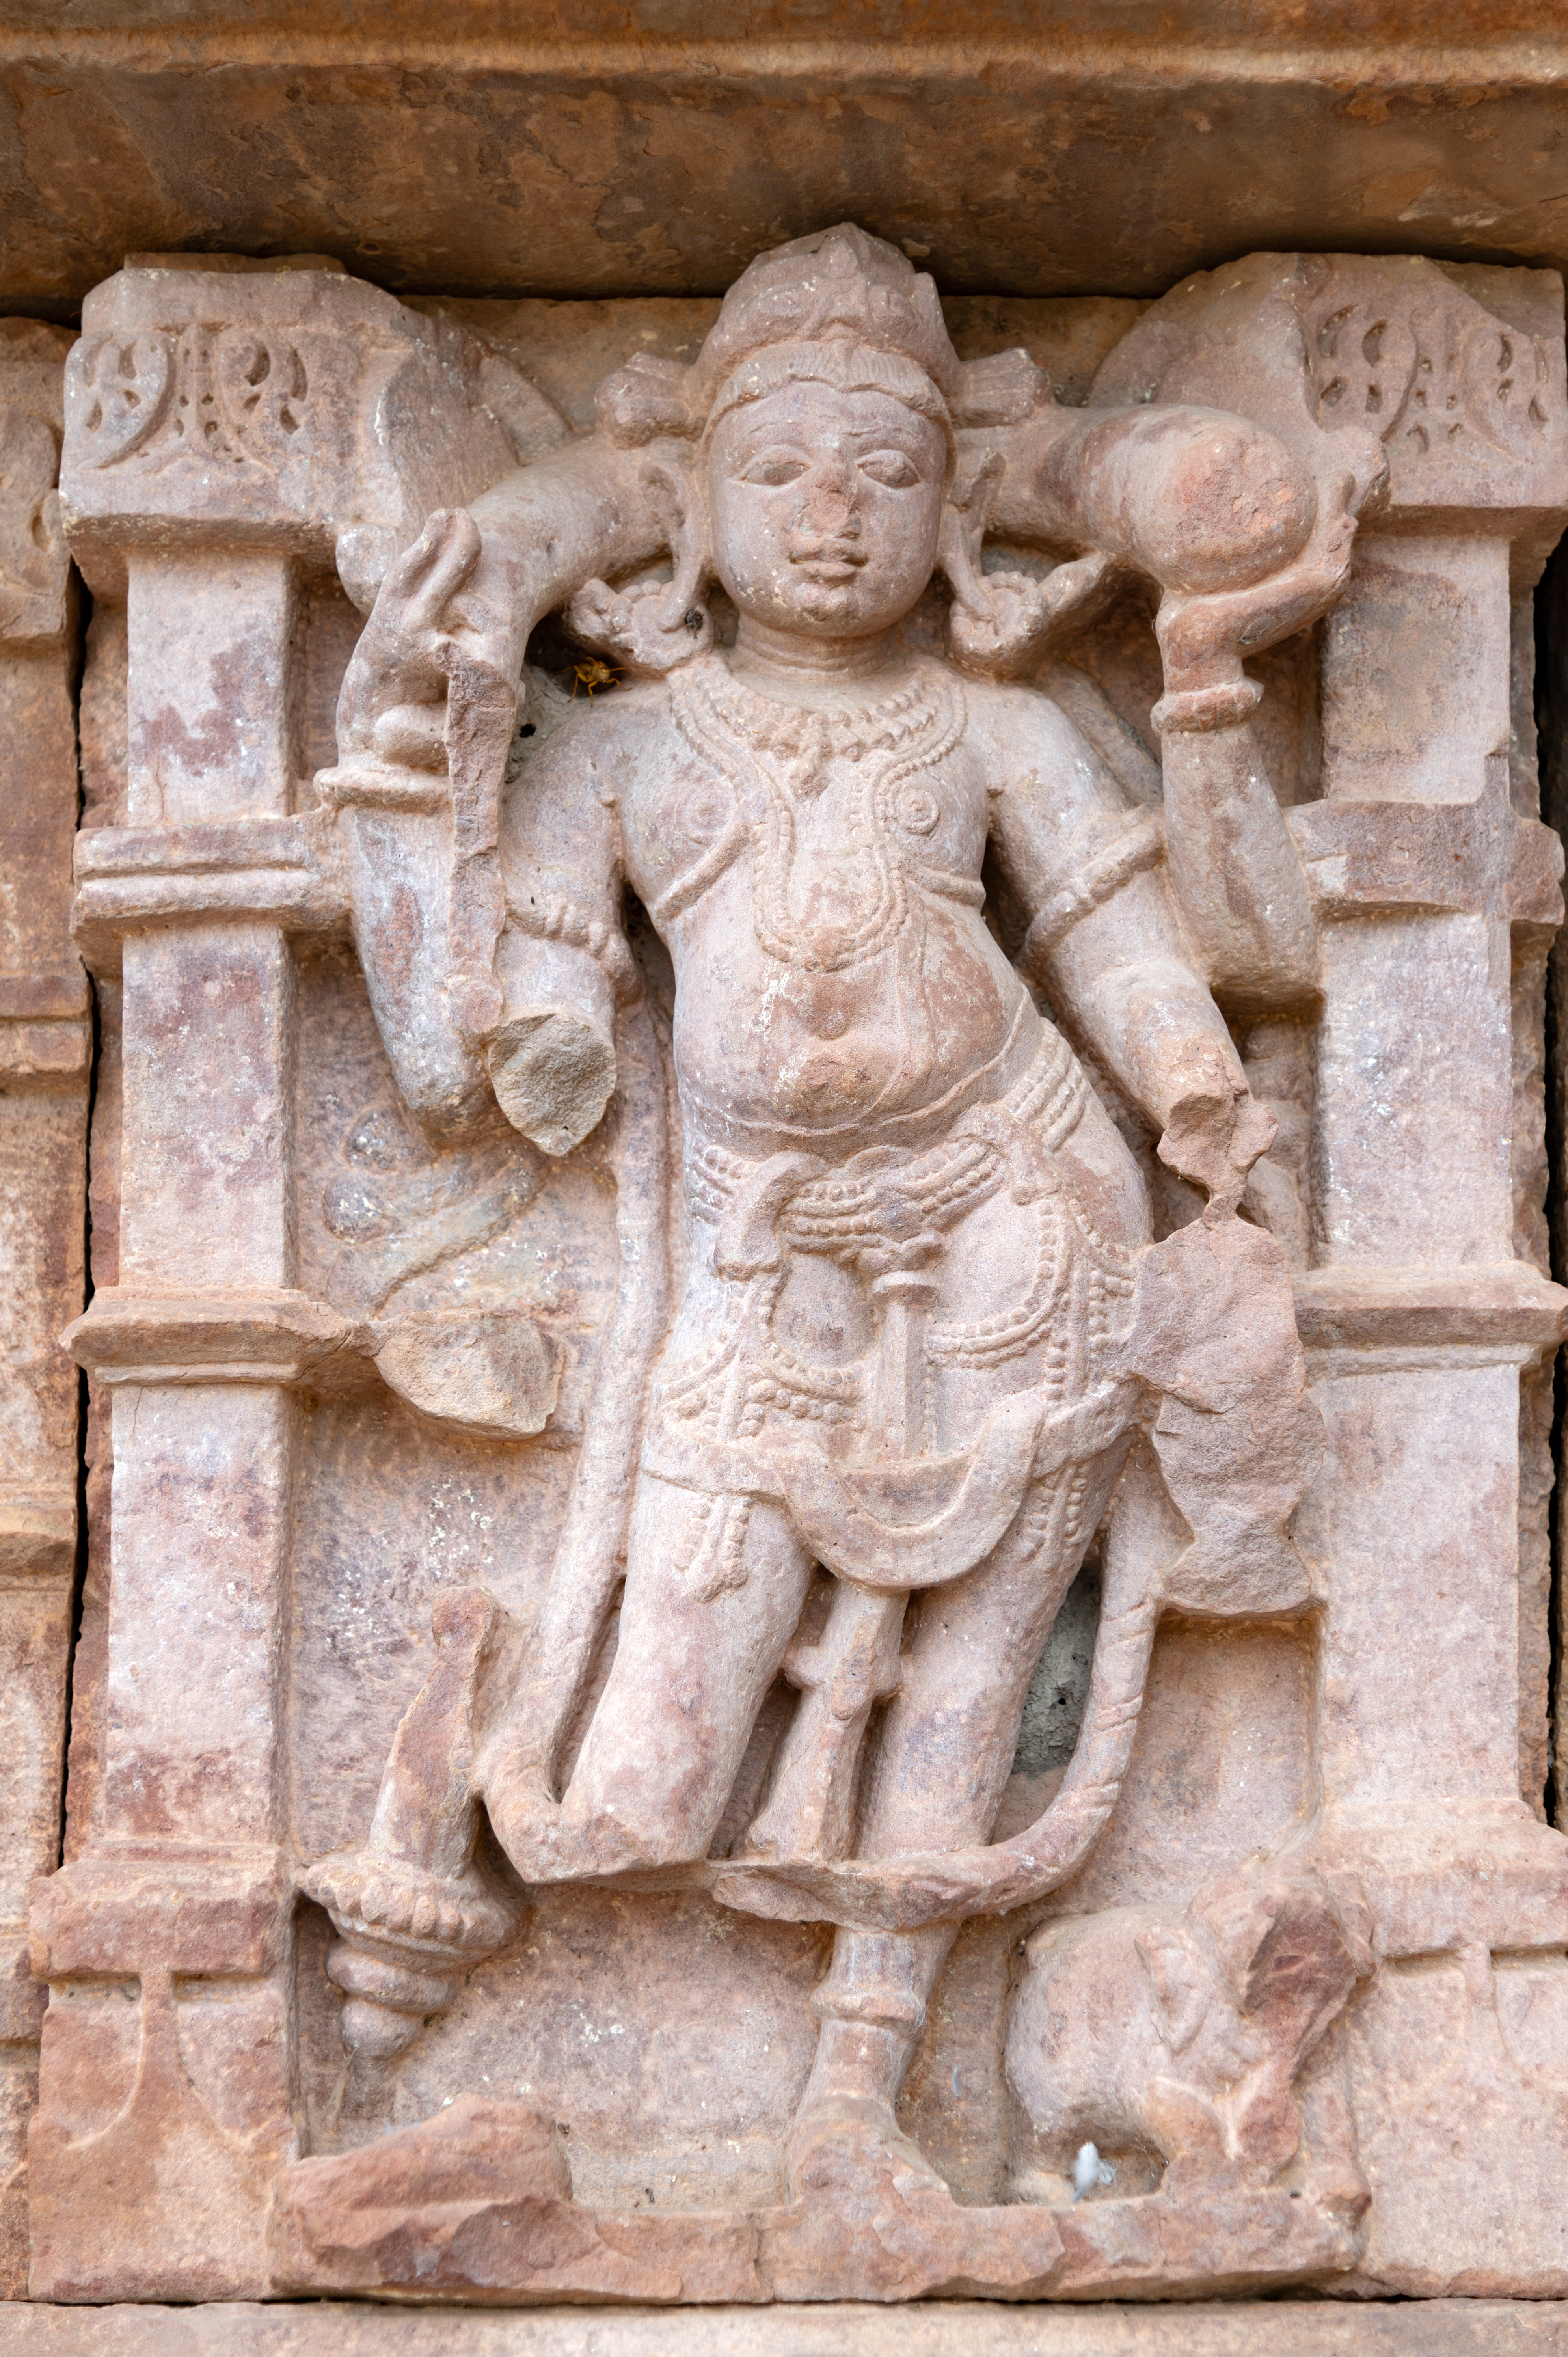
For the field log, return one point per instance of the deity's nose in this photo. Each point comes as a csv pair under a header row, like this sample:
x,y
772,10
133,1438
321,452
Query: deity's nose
x,y
830,509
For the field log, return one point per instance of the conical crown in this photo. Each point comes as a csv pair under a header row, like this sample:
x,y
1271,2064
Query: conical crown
x,y
814,304
838,286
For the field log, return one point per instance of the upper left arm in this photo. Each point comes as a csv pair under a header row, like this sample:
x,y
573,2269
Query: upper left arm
x,y
1066,833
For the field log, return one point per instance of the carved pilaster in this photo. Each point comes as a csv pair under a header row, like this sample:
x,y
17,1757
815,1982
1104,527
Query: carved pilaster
x,y
1436,891
234,435
45,1041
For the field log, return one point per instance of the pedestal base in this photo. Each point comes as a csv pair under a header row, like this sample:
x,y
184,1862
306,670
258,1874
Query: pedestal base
x,y
934,2328
475,2205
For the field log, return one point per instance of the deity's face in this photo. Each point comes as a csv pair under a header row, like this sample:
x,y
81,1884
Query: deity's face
x,y
825,509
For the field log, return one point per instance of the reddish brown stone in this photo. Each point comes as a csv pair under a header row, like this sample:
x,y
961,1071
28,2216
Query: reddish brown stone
x,y
45,1047
776,1081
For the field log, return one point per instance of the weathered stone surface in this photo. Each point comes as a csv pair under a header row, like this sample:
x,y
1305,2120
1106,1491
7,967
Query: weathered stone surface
x,y
45,1046
932,2329
640,1258
651,147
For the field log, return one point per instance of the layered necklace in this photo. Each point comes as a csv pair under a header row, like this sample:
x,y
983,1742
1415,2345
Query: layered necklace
x,y
785,753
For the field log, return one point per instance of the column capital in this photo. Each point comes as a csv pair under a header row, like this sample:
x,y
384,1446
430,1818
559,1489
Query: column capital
x,y
1457,367
216,402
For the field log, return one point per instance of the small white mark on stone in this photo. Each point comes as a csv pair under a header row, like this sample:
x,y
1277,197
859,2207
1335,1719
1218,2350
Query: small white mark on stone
x,y
1088,2171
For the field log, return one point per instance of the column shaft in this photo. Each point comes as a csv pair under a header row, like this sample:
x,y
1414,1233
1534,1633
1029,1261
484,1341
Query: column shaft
x,y
45,1047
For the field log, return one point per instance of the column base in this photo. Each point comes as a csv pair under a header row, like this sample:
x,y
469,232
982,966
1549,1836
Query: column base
x,y
164,2089
1455,2050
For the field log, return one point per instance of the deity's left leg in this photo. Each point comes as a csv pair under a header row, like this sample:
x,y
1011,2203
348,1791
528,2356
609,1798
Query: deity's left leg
x,y
946,1751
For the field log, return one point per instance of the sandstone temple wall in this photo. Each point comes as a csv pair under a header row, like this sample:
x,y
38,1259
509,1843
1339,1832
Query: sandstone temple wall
x,y
780,1505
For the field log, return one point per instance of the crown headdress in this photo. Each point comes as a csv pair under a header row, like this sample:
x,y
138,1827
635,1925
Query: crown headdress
x,y
839,303
850,310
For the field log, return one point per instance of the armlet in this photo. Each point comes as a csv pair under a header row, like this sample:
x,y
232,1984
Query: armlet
x,y
560,921
1140,845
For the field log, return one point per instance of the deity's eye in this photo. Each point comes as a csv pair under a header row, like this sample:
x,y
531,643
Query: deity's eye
x,y
775,467
892,469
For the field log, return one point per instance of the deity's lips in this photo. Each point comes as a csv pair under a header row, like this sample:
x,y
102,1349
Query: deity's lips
x,y
822,564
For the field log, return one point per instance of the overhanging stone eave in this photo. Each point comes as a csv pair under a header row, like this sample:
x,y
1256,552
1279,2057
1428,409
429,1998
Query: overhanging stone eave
x,y
1417,134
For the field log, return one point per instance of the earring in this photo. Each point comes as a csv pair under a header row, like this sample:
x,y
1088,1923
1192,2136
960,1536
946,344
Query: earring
x,y
1004,629
1002,622
652,627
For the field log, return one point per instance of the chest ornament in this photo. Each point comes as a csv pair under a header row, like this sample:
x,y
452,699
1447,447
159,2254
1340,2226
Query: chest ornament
x,y
778,759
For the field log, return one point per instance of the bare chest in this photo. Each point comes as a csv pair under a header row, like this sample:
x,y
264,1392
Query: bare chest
x,y
827,823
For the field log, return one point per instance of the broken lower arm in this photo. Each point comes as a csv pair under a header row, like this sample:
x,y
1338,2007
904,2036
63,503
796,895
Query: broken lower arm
x,y
1233,870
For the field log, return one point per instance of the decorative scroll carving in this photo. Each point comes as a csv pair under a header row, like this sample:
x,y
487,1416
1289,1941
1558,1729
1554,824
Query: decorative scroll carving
x,y
218,396
1431,376
296,399
1466,391
122,389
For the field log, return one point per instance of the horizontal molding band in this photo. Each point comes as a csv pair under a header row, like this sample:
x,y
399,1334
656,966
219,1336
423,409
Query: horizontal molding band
x,y
38,1534
265,1337
209,846
1065,56
44,1053
282,871
195,1910
280,1336
1491,1305
43,997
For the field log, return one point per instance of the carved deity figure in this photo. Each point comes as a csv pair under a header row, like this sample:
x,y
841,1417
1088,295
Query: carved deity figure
x,y
918,1344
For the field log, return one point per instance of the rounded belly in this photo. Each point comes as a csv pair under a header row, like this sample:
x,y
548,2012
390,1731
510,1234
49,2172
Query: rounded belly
x,y
781,1052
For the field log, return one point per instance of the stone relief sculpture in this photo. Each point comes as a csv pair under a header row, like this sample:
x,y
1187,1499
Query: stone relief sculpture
x,y
920,1341
1184,2037
995,1150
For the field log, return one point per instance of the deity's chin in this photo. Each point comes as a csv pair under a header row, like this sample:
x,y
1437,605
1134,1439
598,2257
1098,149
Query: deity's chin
x,y
830,609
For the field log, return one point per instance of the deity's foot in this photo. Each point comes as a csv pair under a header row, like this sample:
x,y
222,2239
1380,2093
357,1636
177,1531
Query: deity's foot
x,y
873,2218
842,2142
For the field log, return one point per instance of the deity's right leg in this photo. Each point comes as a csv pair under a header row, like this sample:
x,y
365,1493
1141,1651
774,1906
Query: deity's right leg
x,y
714,1592
704,1627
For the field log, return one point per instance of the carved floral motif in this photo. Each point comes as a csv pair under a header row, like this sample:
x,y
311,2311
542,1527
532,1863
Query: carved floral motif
x,y
220,395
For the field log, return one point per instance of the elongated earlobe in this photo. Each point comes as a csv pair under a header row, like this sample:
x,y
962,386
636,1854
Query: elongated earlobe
x,y
1006,630
652,627
1001,623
